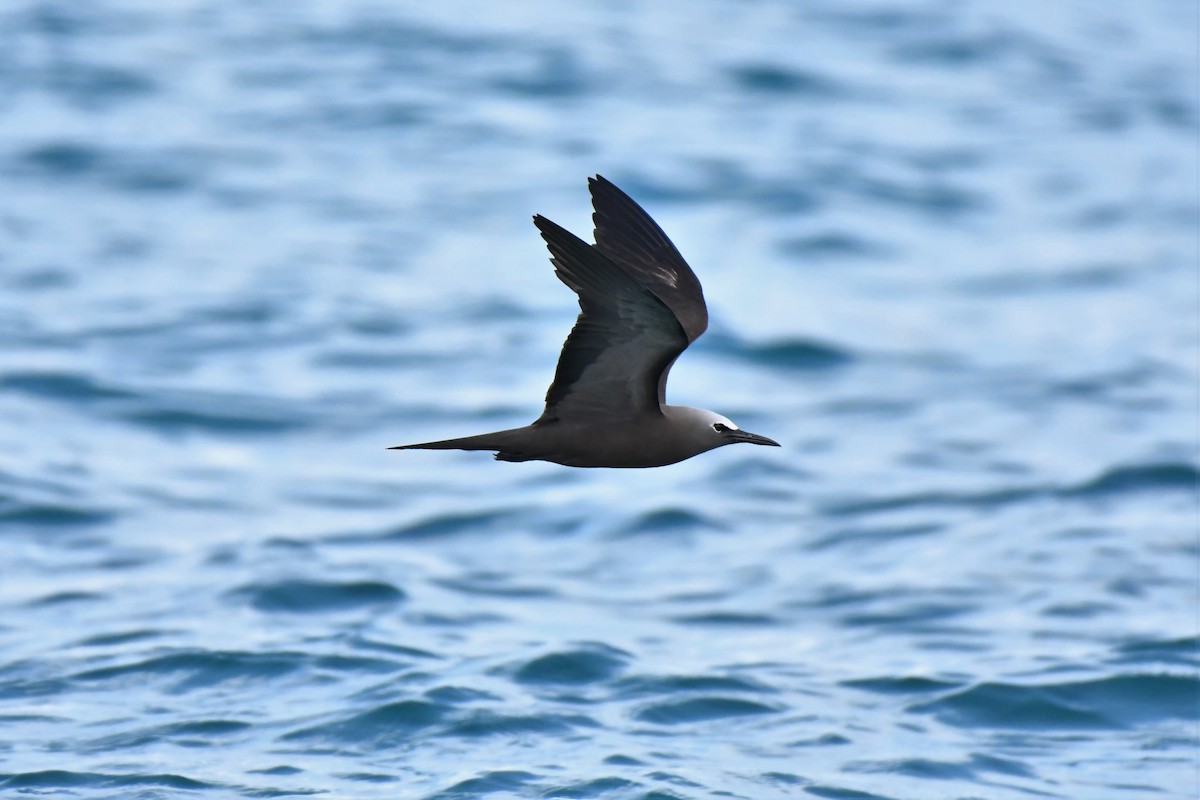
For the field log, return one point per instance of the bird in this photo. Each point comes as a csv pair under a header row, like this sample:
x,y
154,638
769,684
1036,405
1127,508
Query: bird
x,y
640,306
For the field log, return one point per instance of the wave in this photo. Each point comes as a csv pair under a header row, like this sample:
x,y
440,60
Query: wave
x,y
1114,702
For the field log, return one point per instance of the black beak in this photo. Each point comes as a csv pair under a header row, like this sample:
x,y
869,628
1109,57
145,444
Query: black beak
x,y
751,438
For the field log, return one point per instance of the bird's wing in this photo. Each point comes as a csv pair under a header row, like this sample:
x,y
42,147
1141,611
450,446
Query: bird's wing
x,y
627,235
614,362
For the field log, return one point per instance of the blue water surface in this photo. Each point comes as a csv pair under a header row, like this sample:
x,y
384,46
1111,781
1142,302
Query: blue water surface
x,y
950,255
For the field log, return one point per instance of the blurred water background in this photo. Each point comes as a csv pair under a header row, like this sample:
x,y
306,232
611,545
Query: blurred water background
x,y
950,255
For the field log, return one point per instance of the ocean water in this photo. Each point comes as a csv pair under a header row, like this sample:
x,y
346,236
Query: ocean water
x,y
950,253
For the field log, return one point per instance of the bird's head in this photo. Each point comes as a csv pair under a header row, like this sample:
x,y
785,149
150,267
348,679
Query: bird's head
x,y
717,431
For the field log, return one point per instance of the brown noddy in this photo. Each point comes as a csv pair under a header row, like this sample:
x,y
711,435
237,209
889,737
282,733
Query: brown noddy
x,y
640,307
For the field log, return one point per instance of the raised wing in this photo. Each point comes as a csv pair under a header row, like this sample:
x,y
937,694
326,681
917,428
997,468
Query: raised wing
x,y
627,235
614,363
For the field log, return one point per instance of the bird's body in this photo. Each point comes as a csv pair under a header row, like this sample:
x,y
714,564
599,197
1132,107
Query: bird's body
x,y
640,307
644,441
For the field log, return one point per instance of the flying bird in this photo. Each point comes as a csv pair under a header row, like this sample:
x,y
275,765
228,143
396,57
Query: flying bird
x,y
640,307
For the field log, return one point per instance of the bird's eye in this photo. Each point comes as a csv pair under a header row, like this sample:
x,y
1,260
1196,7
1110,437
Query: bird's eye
x,y
720,427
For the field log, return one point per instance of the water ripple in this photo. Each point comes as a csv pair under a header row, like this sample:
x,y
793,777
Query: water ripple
x,y
576,667
701,709
1112,483
1113,702
382,727
67,780
298,596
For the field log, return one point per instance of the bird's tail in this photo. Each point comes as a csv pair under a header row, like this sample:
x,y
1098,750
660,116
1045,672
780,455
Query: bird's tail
x,y
497,440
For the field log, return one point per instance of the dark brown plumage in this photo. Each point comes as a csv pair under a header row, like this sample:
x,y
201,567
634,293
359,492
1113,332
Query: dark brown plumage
x,y
640,306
